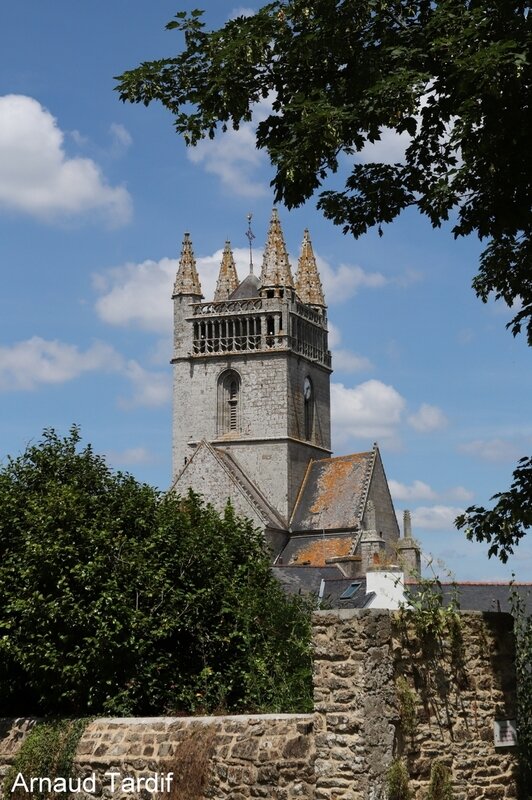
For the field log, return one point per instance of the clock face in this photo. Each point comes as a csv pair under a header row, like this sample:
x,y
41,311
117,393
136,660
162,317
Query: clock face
x,y
307,389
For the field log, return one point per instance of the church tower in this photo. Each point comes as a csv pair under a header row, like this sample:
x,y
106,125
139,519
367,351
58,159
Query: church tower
x,y
251,372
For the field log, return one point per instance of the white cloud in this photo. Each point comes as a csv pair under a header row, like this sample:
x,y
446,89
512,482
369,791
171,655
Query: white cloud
x,y
121,137
335,336
370,410
78,138
346,361
460,493
130,456
27,365
438,517
390,149
418,490
38,178
427,418
407,278
241,11
495,450
152,389
233,157
138,295
342,283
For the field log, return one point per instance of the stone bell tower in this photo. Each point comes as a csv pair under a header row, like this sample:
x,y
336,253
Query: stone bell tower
x,y
251,370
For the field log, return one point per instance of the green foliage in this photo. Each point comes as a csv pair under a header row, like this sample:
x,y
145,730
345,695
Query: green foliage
x,y
117,599
508,521
432,632
397,781
454,74
427,613
440,786
407,706
523,669
47,751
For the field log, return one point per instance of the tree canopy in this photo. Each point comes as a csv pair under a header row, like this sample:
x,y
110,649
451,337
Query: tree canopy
x,y
117,599
507,522
453,74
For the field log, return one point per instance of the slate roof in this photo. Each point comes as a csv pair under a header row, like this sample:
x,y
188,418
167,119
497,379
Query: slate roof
x,y
473,596
247,289
307,580
333,494
304,580
478,596
314,549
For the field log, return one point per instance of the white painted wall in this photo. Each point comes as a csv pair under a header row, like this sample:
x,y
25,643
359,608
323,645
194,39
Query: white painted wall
x,y
389,588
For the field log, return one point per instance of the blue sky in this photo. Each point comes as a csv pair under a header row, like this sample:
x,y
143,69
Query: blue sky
x,y
94,199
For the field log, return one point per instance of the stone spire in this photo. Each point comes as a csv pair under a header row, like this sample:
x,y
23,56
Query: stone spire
x,y
227,277
408,550
187,279
308,284
275,265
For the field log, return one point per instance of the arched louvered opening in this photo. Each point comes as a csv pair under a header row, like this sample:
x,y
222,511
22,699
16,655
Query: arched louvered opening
x,y
308,409
228,403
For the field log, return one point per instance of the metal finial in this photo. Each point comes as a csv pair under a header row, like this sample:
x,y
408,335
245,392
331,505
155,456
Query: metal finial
x,y
251,236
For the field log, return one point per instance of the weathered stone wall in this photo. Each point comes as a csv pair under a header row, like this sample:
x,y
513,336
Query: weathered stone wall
x,y
235,757
370,666
382,692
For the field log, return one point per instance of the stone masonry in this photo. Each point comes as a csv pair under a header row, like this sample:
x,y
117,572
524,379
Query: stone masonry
x,y
382,692
268,756
365,663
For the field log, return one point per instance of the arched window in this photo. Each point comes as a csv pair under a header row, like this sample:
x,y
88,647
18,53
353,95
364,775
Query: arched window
x,y
308,394
228,402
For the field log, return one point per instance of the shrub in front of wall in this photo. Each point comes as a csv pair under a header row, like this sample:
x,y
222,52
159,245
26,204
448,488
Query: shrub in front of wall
x,y
398,781
119,599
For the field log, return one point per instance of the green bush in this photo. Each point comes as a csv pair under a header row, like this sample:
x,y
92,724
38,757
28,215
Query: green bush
x,y
398,781
47,751
115,598
440,786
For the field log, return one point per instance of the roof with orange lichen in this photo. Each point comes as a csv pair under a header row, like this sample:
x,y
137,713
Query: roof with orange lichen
x,y
334,492
316,550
